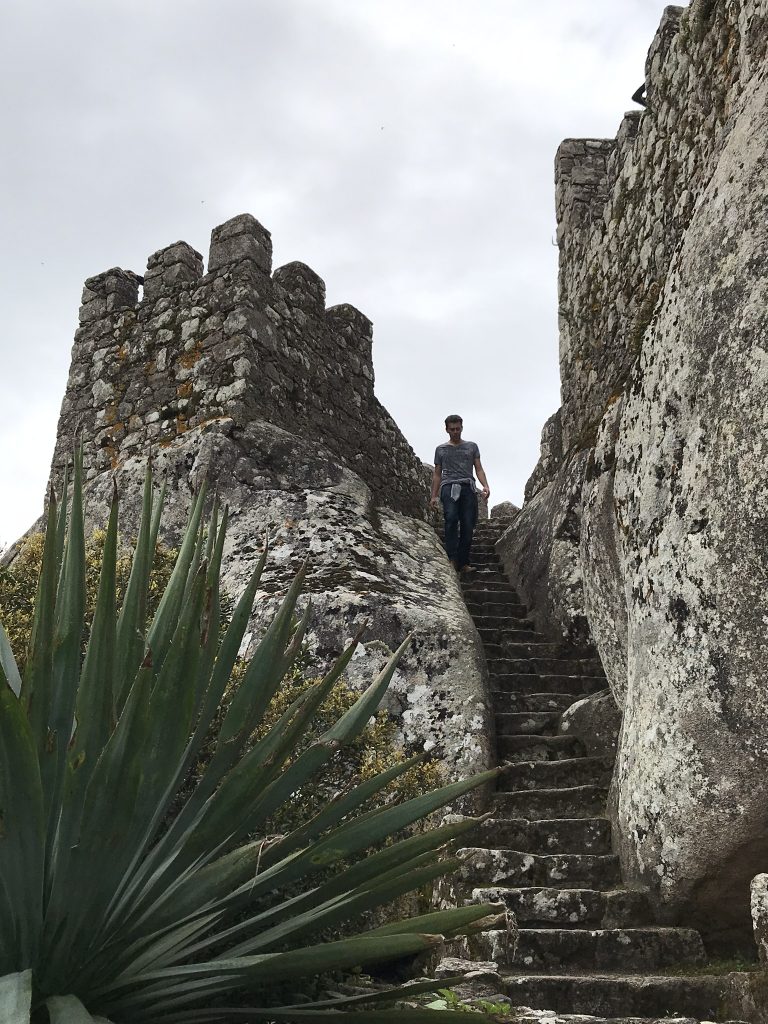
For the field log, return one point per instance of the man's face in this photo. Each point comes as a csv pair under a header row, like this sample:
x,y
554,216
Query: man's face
x,y
453,430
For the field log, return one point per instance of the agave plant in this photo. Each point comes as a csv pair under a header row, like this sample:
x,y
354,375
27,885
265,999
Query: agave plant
x,y
109,905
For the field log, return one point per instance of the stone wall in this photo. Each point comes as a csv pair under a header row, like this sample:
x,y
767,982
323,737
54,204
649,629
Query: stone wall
x,y
243,378
238,342
624,204
644,522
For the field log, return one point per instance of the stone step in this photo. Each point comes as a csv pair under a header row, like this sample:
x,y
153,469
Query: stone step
x,y
487,620
508,702
545,647
495,638
546,804
492,602
497,612
519,682
569,908
701,997
498,636
554,666
482,576
567,773
473,587
559,835
490,593
602,949
539,723
538,748
483,867
515,633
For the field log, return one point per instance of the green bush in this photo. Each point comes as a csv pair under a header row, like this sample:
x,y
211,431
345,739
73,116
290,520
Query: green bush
x,y
18,585
107,904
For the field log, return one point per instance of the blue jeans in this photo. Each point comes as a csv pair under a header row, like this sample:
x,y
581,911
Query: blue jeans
x,y
460,520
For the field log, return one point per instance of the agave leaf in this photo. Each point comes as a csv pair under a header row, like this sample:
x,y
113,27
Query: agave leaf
x,y
250,813
447,922
16,997
162,738
69,1010
162,947
166,617
232,811
95,710
65,663
227,815
421,1015
8,958
407,855
95,705
361,833
226,656
304,863
225,661
157,511
36,686
260,680
106,826
61,522
266,669
194,565
212,613
8,663
172,892
340,807
129,641
22,835
389,995
173,987
342,908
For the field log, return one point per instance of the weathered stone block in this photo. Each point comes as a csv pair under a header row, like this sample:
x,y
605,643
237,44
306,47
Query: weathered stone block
x,y
241,239
302,287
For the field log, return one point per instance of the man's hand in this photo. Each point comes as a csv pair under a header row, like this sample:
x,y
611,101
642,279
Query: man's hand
x,y
433,502
486,493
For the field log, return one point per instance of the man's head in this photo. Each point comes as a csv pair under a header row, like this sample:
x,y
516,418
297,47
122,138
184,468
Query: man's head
x,y
453,427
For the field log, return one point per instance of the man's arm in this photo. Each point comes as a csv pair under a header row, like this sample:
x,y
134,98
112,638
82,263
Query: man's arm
x,y
437,475
482,478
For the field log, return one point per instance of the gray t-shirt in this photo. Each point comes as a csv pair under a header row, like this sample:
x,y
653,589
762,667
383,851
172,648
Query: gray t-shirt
x,y
456,461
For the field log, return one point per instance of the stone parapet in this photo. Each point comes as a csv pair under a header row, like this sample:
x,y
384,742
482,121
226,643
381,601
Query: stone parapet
x,y
237,342
624,204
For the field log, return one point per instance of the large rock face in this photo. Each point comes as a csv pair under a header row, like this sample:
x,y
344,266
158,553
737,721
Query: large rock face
x,y
540,547
242,377
661,470
691,493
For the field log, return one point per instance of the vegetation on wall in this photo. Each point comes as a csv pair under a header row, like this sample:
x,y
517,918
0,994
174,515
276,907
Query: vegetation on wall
x,y
104,902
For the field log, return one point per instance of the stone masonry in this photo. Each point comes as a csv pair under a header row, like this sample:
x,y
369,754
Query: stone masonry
x,y
243,378
623,204
236,342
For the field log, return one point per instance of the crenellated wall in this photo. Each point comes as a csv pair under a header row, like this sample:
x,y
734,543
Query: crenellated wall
x,y
624,204
240,377
237,342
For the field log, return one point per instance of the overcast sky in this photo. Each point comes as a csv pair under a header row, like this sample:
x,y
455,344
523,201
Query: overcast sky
x,y
402,148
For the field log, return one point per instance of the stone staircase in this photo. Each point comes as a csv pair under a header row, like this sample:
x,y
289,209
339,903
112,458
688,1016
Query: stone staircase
x,y
587,944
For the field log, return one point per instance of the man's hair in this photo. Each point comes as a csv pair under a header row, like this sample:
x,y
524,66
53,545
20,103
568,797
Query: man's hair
x,y
453,419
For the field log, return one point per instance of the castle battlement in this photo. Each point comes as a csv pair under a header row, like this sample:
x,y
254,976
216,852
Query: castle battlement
x,y
234,342
624,204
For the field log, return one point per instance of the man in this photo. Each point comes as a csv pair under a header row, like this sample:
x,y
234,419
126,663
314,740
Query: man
x,y
454,483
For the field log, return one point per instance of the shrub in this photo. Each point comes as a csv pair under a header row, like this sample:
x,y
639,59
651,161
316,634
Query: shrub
x,y
18,585
105,905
